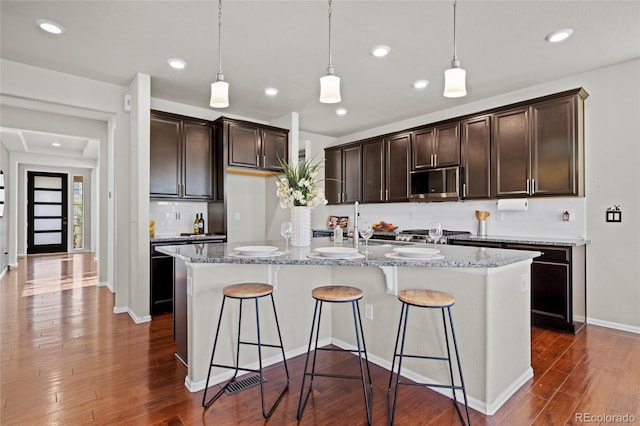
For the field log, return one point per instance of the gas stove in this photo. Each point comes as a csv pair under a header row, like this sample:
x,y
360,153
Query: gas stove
x,y
417,235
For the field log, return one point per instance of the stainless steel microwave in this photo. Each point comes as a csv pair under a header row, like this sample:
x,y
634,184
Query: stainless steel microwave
x,y
441,184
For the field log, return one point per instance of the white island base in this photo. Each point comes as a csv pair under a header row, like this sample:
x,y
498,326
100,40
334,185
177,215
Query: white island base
x,y
491,317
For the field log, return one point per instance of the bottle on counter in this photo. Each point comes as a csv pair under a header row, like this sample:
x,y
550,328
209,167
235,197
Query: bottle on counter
x,y
337,234
196,225
201,225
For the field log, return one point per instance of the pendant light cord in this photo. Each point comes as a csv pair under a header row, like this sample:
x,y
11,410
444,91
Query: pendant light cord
x,y
454,62
330,67
219,37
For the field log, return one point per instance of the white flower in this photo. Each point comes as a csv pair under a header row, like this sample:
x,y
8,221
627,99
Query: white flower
x,y
299,186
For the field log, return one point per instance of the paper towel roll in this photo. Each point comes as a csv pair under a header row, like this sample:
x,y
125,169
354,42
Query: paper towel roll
x,y
513,204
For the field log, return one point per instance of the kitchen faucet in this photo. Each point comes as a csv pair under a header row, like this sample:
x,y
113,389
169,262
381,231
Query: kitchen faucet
x,y
356,216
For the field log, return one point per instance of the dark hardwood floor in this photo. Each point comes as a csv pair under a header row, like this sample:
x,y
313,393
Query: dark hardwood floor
x,y
68,359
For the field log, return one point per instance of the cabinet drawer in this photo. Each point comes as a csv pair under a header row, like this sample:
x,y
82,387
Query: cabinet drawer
x,y
549,253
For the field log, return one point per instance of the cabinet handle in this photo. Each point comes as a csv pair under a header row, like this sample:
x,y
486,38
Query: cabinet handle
x,y
264,161
431,160
381,199
435,160
386,195
339,197
464,190
257,160
528,187
533,186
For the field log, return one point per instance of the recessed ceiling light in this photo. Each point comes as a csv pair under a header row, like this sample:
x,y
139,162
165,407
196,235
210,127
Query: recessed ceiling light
x,y
341,111
559,35
176,63
271,91
56,144
50,26
380,51
420,84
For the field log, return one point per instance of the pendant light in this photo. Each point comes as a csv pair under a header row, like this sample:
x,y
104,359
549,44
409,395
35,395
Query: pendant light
x,y
330,83
454,77
220,88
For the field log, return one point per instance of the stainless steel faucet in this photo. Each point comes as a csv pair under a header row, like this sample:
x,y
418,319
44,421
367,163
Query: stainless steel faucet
x,y
356,216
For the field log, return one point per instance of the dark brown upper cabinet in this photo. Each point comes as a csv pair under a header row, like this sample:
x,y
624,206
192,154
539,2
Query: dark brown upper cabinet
x,y
475,148
385,169
255,146
181,157
538,150
437,146
343,174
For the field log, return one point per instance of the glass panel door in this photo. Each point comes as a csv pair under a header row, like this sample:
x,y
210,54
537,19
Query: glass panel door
x,y
46,212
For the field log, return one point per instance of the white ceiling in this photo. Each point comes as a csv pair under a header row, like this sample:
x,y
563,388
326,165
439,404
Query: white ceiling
x,y
284,44
26,141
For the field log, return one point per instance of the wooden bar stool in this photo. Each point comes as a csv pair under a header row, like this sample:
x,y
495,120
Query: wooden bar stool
x,y
243,292
431,299
337,294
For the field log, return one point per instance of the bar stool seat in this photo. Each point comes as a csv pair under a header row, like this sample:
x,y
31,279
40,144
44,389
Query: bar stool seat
x,y
242,292
431,299
337,294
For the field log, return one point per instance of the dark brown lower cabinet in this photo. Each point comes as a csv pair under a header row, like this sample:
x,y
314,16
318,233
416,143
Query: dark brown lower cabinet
x,y
558,283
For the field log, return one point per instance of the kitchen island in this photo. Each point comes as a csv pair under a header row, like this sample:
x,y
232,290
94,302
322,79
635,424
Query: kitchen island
x,y
491,314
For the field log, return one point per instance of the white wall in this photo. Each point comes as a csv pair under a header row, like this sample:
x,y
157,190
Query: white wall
x,y
612,130
4,220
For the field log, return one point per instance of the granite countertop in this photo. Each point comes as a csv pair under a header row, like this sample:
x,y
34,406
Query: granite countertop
x,y
547,241
453,256
190,237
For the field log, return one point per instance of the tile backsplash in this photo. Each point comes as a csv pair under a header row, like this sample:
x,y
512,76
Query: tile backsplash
x,y
176,217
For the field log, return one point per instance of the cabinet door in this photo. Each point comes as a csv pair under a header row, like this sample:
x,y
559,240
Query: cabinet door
x,y
554,148
510,144
333,175
397,164
198,161
274,149
476,157
161,284
352,174
244,145
165,158
550,294
447,145
373,184
422,149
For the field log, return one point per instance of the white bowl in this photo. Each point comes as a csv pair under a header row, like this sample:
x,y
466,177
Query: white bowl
x,y
336,251
416,252
256,250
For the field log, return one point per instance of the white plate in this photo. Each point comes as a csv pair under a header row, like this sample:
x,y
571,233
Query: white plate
x,y
256,250
336,252
245,256
354,256
397,256
418,252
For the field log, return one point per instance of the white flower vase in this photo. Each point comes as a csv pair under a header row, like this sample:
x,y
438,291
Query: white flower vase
x,y
301,226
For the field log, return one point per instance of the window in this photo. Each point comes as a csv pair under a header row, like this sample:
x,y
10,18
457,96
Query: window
x,y
78,210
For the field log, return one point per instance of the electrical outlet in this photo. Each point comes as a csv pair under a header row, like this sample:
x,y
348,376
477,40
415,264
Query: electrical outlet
x,y
368,311
524,283
236,216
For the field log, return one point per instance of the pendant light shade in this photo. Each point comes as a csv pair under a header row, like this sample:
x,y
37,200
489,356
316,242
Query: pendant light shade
x,y
219,93
330,83
454,82
220,88
330,89
455,77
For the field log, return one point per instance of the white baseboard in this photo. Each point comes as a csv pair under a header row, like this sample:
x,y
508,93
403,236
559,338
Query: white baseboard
x,y
107,285
137,319
614,325
488,409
